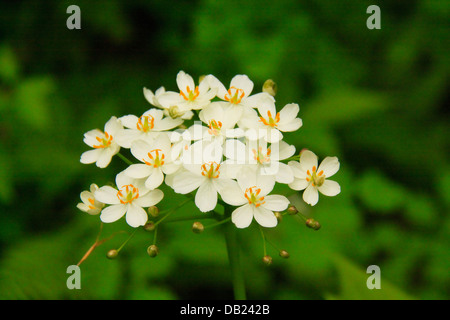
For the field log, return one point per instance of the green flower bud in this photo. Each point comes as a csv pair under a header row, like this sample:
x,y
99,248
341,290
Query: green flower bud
x,y
153,211
313,224
284,254
278,215
267,260
152,251
112,254
270,87
292,210
149,226
198,227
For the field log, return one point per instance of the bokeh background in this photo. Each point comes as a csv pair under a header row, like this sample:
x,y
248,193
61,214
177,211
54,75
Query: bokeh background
x,y
377,99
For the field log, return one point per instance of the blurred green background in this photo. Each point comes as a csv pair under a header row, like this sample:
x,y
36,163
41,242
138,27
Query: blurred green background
x,y
374,98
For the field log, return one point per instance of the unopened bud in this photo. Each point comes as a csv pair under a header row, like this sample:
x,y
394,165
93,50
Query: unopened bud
x,y
292,210
267,260
152,251
149,226
270,87
313,224
153,211
174,112
112,254
278,215
284,254
198,227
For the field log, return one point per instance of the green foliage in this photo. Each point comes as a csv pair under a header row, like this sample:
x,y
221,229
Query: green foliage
x,y
374,98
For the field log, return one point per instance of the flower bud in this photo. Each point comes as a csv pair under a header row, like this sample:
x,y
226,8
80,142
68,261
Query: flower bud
x,y
313,224
270,87
284,254
198,227
267,260
292,210
174,112
152,251
153,211
149,226
112,254
278,215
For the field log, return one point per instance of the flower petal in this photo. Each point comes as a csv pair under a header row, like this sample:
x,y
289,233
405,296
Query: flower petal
x,y
149,199
311,195
308,160
136,216
90,156
242,216
329,165
241,81
113,213
299,184
233,194
330,188
107,194
155,179
275,203
186,182
265,217
206,196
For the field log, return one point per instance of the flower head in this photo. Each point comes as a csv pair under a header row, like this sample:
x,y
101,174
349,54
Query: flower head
x,y
312,178
89,203
250,194
128,199
104,144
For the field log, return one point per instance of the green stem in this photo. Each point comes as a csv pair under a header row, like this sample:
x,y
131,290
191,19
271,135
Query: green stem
x,y
234,258
125,159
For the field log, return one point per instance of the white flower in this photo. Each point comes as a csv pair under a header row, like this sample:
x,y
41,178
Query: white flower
x,y
309,177
237,96
147,127
89,203
250,193
172,111
202,171
190,97
220,125
127,200
271,123
257,156
104,144
157,160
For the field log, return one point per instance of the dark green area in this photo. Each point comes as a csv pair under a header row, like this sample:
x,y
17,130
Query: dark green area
x,y
376,99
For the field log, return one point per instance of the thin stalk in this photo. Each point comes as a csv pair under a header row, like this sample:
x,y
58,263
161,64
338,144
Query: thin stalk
x,y
234,258
125,159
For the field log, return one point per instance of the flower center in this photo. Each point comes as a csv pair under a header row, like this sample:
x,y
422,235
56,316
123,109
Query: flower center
x,y
190,95
214,127
145,123
234,95
270,121
127,194
211,170
251,194
155,158
105,141
259,155
317,179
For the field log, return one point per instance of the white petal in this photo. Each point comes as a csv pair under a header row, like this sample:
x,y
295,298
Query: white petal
x,y
184,81
254,101
90,156
290,126
136,216
107,194
105,157
167,124
138,171
113,126
155,179
299,184
113,213
150,199
233,194
206,196
90,137
129,121
308,160
330,188
298,171
275,203
169,99
242,216
284,173
186,182
329,165
241,81
289,111
215,83
126,137
311,195
265,217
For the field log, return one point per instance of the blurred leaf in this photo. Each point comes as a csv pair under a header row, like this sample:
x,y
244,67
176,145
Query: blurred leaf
x,y
9,66
353,284
32,100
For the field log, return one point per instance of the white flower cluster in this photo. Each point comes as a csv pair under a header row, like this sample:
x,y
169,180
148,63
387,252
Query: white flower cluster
x,y
234,154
